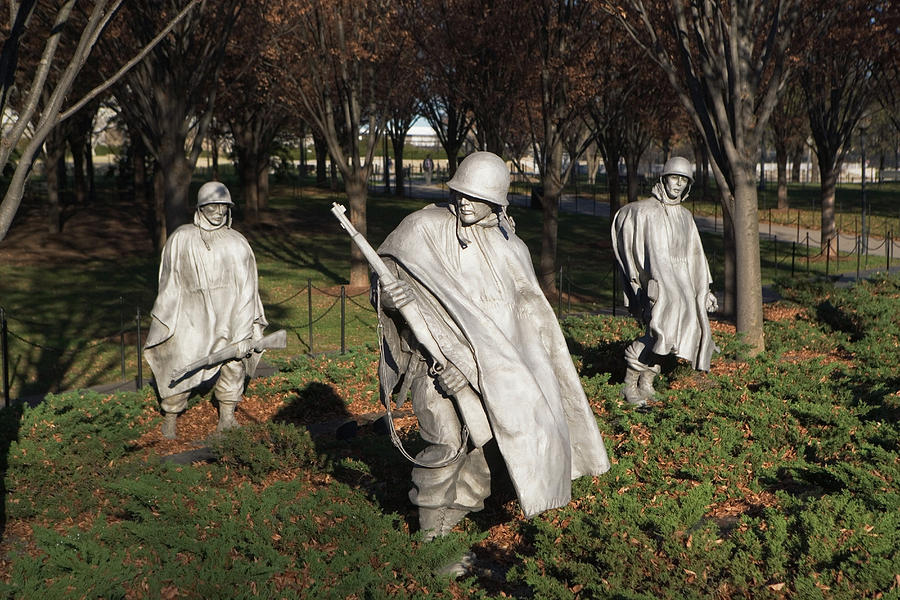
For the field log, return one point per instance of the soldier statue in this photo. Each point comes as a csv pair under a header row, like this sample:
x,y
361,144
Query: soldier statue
x,y
666,281
208,302
491,337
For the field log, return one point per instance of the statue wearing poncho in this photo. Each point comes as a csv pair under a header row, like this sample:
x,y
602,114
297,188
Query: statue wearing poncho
x,y
666,281
475,287
208,298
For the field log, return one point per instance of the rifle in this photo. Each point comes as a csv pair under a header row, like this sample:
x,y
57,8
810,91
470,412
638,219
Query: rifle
x,y
277,339
467,401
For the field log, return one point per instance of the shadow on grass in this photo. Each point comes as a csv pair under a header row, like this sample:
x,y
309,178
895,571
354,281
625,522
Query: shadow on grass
x,y
359,450
363,457
10,418
65,323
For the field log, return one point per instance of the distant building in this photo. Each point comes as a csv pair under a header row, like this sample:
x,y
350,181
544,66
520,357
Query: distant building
x,y
421,134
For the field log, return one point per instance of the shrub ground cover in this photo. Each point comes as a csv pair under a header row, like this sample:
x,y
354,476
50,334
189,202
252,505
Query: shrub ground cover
x,y
769,477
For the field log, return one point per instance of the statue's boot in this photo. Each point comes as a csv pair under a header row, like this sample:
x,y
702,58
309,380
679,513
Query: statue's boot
x,y
435,522
226,416
169,425
630,391
459,568
645,383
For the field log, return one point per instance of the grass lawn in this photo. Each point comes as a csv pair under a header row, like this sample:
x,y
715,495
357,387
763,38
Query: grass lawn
x,y
770,477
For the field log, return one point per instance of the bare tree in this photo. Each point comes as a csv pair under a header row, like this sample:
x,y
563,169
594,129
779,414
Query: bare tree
x,y
725,59
442,38
789,131
252,100
168,99
839,74
562,48
340,54
98,17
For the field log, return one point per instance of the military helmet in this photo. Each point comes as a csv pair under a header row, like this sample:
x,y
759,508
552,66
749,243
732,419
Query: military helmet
x,y
213,192
482,176
678,165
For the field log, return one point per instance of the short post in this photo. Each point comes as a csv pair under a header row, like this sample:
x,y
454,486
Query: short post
x,y
828,258
122,333
559,294
858,255
140,366
309,312
798,224
4,349
775,250
887,251
343,319
793,256
807,252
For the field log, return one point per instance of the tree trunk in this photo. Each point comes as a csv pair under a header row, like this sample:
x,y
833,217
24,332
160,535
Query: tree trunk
x,y
397,143
452,151
55,146
633,184
321,147
701,175
248,172
796,162
592,160
829,170
333,180
214,153
90,172
262,182
612,182
171,182
781,160
154,216
357,196
552,184
749,277
729,267
79,182
549,240
386,163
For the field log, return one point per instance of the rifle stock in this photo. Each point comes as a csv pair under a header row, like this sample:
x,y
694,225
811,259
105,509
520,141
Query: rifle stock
x,y
277,339
467,401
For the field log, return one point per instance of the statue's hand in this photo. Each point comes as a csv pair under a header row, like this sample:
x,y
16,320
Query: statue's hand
x,y
396,294
712,305
451,380
244,347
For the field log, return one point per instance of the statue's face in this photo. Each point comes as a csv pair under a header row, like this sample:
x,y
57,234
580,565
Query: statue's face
x,y
675,185
216,214
472,211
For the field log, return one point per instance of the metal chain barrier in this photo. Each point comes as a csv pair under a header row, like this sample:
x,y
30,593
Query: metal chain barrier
x,y
566,285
